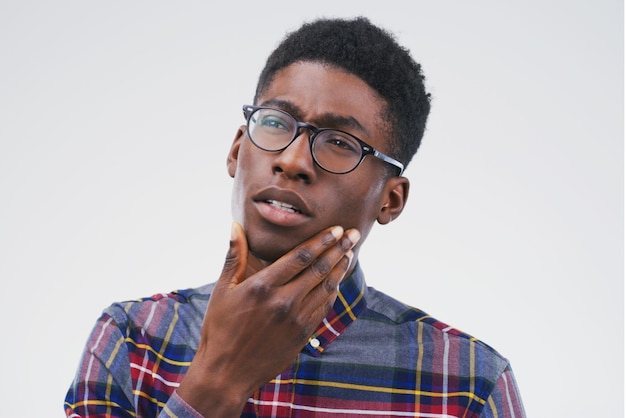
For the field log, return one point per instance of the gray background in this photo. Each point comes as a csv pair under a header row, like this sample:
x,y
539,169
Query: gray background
x,y
115,120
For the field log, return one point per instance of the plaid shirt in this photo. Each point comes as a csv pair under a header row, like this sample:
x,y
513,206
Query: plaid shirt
x,y
394,361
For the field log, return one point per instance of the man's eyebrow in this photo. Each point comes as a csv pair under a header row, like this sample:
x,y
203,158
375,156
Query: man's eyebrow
x,y
326,120
285,105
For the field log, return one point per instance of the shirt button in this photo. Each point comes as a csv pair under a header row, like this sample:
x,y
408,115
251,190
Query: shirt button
x,y
314,342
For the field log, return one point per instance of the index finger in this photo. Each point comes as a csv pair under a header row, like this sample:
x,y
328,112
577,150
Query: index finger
x,y
295,261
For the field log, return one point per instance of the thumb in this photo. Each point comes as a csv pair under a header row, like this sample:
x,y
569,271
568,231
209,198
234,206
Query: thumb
x,y
234,269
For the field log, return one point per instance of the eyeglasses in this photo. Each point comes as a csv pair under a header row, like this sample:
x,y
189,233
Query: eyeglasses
x,y
333,150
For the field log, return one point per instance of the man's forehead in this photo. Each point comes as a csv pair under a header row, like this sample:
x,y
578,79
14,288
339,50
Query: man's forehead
x,y
319,93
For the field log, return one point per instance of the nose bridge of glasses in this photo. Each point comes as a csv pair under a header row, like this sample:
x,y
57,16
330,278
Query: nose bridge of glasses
x,y
303,127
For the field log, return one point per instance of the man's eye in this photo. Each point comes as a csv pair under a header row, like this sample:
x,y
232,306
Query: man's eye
x,y
339,143
342,144
273,123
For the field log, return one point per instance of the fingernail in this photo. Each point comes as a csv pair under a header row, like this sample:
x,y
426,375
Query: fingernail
x,y
354,236
233,231
349,255
337,232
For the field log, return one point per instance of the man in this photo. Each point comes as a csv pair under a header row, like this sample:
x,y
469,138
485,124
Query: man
x,y
289,328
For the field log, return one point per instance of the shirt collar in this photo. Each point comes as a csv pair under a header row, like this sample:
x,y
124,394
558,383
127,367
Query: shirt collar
x,y
349,304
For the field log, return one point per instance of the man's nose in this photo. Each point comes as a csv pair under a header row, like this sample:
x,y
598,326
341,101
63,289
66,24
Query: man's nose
x,y
296,161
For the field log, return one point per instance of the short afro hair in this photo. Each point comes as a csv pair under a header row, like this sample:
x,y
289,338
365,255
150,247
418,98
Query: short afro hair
x,y
372,54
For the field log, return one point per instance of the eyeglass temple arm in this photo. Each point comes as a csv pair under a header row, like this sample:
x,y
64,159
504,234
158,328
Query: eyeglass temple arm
x,y
390,160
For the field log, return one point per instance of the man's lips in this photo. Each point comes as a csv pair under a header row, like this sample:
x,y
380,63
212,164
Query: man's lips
x,y
282,207
283,199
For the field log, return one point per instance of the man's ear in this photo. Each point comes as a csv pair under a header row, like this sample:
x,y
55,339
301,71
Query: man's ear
x,y
233,154
394,199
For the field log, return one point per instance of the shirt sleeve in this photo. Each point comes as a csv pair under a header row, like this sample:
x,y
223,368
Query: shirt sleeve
x,y
103,385
176,407
505,400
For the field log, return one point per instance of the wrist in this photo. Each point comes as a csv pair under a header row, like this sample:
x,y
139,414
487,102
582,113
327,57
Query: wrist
x,y
211,397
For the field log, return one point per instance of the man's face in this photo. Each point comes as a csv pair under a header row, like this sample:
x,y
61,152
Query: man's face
x,y
283,198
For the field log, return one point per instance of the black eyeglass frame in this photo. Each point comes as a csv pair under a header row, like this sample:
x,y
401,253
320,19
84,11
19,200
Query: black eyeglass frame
x,y
366,149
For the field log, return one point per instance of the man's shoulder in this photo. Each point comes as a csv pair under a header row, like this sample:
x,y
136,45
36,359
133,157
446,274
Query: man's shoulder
x,y
179,296
183,304
383,307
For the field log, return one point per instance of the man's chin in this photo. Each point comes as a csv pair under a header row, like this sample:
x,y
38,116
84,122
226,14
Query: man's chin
x,y
266,256
268,251
269,245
